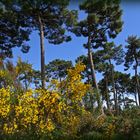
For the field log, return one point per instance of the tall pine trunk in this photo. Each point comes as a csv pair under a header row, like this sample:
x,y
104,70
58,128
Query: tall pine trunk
x,y
107,93
137,78
94,81
137,82
41,29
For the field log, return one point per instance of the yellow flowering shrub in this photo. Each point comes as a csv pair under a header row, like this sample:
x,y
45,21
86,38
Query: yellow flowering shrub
x,y
73,87
27,108
2,74
45,110
8,122
10,127
4,102
109,130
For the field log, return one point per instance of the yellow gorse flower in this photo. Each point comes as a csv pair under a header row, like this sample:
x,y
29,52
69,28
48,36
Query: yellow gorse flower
x,y
43,110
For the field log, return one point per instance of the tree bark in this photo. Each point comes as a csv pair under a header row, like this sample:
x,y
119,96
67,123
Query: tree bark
x,y
137,82
94,81
41,29
107,93
137,78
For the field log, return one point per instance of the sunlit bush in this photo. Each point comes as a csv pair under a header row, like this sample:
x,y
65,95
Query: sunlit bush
x,y
44,111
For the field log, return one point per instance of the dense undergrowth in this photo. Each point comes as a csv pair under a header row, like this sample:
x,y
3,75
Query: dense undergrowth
x,y
59,112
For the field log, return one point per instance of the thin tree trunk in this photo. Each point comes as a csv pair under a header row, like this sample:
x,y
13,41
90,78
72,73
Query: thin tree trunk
x,y
107,94
42,52
137,83
137,79
94,81
114,89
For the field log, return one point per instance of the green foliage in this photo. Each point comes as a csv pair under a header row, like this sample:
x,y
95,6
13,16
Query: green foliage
x,y
133,52
11,33
132,59
50,18
103,20
24,18
57,69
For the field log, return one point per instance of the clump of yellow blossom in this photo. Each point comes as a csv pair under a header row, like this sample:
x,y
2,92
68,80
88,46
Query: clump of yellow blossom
x,y
4,102
43,110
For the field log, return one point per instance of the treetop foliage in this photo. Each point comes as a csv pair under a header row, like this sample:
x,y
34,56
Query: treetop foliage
x,y
20,18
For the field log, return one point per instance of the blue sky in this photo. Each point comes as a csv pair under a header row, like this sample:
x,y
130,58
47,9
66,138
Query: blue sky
x,y
73,49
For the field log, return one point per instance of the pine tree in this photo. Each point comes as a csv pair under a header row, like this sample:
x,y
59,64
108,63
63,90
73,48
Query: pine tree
x,y
132,58
50,18
57,69
106,58
11,32
132,88
103,20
